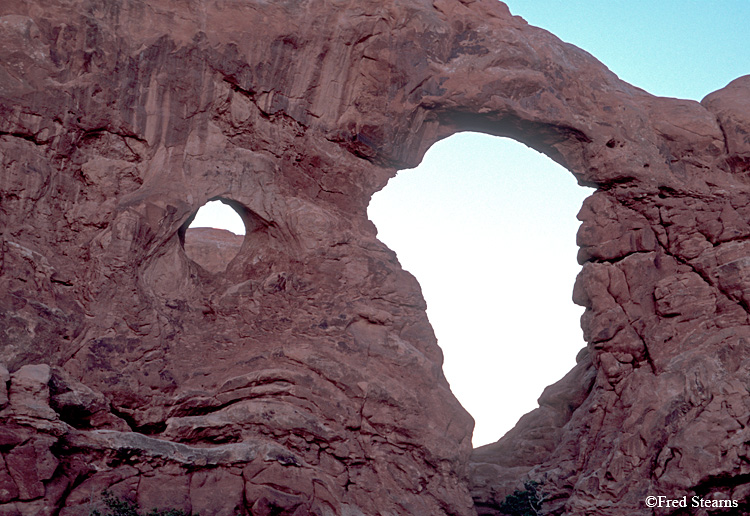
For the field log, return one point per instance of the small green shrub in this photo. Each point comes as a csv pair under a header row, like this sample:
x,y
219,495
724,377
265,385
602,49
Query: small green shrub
x,y
524,503
122,507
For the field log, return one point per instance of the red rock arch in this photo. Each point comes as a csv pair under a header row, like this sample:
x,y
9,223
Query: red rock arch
x,y
310,380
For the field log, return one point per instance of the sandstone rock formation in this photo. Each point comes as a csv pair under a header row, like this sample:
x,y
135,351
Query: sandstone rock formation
x,y
213,249
305,378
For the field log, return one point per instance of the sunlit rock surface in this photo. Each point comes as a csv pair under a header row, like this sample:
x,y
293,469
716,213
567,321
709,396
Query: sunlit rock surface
x,y
305,378
213,249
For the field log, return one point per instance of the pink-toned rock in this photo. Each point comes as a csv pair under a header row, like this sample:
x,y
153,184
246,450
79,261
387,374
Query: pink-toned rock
x,y
32,508
80,406
307,363
218,492
29,391
732,108
164,489
121,482
4,379
8,487
30,465
212,249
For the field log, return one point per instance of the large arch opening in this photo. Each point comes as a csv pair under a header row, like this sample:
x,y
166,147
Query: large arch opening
x,y
212,238
487,226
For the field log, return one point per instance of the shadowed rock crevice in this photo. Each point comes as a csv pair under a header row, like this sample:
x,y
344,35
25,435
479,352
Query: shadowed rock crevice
x,y
118,120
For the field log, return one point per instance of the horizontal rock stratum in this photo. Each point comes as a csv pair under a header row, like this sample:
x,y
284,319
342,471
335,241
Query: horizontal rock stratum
x,y
304,377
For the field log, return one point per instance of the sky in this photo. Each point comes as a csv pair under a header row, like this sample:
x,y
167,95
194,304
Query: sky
x,y
488,225
216,214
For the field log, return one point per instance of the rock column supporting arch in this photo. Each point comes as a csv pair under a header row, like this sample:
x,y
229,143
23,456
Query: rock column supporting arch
x,y
306,379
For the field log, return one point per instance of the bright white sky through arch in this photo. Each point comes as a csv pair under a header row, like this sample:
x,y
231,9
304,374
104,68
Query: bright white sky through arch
x,y
517,205
216,214
487,225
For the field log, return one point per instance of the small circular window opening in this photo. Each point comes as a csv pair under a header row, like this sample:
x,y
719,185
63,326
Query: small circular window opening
x,y
214,236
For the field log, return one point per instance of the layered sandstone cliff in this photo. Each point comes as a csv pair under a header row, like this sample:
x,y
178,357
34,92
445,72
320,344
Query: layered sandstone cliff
x,y
305,378
212,249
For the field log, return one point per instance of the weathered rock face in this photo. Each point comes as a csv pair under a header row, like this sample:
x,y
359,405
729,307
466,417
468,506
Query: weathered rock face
x,y
213,249
305,378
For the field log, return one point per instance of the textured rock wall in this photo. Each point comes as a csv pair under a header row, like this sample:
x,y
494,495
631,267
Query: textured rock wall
x,y
305,378
212,249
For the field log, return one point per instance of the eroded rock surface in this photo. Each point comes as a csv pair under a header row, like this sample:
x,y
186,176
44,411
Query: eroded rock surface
x,y
213,249
305,378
